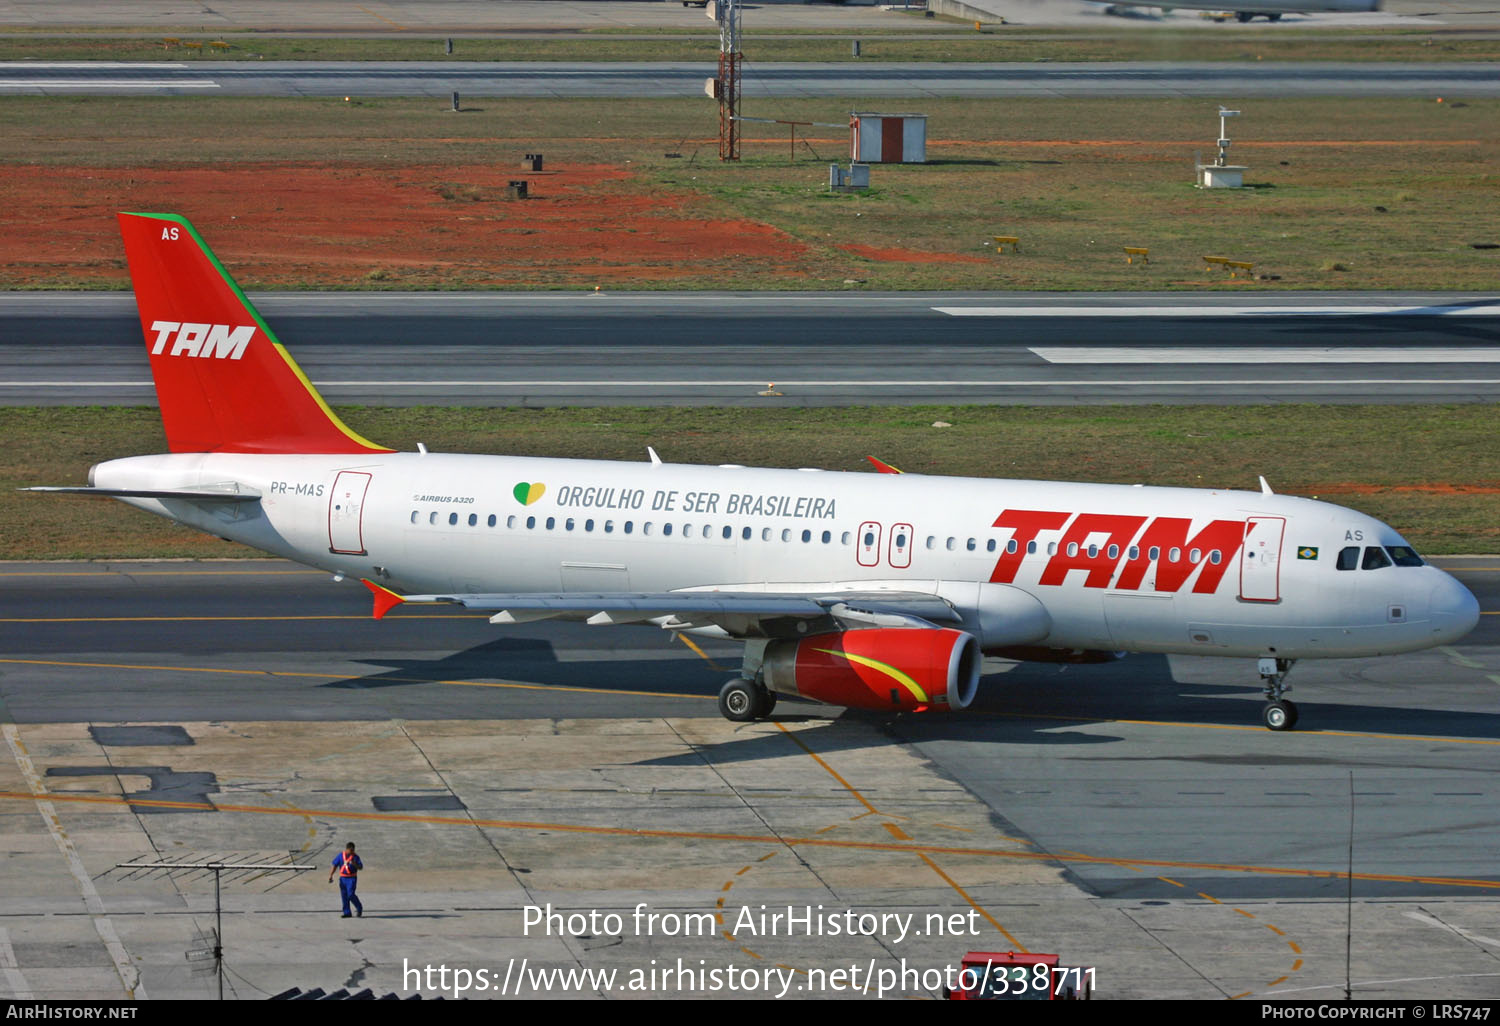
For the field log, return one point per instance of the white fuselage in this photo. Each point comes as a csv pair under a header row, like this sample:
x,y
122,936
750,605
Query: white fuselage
x,y
1028,563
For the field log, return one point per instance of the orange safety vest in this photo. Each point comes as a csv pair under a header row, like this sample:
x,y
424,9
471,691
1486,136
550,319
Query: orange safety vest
x,y
346,868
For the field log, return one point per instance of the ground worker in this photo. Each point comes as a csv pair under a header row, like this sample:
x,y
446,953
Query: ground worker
x,y
347,865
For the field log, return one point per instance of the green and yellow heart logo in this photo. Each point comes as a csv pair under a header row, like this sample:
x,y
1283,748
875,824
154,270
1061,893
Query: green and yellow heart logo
x,y
526,493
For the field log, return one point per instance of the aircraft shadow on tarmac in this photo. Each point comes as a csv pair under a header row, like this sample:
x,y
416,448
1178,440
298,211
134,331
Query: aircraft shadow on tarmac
x,y
1028,704
534,661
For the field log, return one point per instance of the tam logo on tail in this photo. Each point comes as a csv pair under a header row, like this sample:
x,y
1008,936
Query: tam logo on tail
x,y
219,341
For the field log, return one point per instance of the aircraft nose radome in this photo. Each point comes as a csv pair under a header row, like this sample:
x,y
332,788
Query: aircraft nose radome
x,y
1453,608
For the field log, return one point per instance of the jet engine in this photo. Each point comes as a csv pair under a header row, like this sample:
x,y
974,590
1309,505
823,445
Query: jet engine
x,y
906,668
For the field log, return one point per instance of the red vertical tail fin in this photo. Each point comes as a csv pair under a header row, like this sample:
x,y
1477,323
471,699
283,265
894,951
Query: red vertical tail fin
x,y
224,382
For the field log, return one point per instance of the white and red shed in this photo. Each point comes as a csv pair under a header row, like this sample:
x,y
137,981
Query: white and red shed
x,y
887,138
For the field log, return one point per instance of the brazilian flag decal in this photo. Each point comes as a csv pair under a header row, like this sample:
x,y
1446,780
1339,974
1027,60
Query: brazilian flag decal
x,y
1307,552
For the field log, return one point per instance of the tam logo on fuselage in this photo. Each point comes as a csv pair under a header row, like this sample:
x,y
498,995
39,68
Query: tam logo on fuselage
x,y
1162,541
216,341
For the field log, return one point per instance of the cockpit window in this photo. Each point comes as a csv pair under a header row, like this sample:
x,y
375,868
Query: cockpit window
x,y
1403,555
1349,558
1375,558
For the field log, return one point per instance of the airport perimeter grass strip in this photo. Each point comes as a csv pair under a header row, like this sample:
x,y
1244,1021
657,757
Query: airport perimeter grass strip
x,y
1341,193
1432,472
910,42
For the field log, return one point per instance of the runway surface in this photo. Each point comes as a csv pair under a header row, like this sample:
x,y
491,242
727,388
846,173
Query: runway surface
x,y
1133,816
685,79
541,349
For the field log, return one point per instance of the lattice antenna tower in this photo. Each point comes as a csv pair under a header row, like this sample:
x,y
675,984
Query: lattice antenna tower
x,y
727,14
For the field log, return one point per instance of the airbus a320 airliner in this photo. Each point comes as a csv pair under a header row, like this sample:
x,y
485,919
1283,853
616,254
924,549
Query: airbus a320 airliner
x,y
877,591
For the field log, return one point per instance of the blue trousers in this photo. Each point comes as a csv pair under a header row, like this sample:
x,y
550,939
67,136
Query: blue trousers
x,y
346,891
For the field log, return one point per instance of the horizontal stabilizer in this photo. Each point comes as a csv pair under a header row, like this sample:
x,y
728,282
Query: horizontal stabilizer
x,y
188,494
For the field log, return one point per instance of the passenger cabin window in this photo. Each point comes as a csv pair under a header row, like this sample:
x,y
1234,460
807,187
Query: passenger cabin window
x,y
473,519
1375,558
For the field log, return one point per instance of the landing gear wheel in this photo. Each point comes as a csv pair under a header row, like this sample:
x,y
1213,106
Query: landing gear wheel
x,y
1280,714
765,704
738,701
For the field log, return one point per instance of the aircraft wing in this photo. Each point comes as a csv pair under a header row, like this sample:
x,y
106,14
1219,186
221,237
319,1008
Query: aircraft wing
x,y
741,613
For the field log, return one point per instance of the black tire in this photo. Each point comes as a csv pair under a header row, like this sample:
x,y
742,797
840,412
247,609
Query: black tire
x,y
1279,715
1244,16
766,704
738,702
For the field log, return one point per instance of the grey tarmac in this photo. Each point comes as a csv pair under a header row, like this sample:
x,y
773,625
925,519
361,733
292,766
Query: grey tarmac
x,y
1131,816
557,349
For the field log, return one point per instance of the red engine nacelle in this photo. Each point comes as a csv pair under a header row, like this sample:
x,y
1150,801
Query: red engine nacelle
x,y
912,669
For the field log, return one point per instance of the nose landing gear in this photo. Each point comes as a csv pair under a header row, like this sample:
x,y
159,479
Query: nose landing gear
x,y
1278,713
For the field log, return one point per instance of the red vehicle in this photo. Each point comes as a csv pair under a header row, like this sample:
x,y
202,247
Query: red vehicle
x,y
1009,976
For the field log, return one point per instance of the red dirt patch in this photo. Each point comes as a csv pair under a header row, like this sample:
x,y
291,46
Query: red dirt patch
x,y
424,226
908,256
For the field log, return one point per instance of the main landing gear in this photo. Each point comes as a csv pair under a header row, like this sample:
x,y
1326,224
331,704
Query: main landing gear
x,y
742,701
1278,713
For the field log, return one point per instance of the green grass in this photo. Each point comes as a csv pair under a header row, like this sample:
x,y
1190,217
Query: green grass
x,y
1398,463
1394,191
914,43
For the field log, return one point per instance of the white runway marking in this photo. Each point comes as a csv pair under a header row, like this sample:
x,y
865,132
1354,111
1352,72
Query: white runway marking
x,y
130,977
1198,310
1265,354
14,978
105,83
